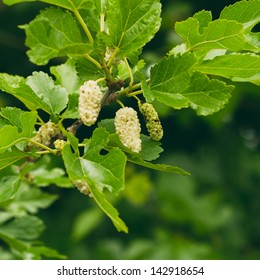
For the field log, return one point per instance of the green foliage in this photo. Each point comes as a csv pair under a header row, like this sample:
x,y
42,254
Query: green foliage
x,y
102,41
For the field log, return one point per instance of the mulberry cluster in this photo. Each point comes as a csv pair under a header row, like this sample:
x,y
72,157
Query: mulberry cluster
x,y
59,144
152,121
128,128
82,186
46,133
89,102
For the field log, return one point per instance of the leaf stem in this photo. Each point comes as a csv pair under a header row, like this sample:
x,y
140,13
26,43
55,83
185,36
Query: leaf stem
x,y
42,146
120,103
135,93
84,26
130,73
90,58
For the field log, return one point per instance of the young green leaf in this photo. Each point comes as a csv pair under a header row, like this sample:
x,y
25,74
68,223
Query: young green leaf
x,y
72,111
54,33
66,76
237,67
245,12
219,34
16,86
55,96
132,23
9,185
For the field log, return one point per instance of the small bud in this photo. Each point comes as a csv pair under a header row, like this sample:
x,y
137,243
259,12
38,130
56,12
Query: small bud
x,y
152,120
82,186
128,128
59,144
46,133
108,54
89,102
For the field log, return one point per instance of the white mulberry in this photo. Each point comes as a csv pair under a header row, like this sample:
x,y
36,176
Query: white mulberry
x,y
128,128
82,186
152,121
59,144
46,133
89,102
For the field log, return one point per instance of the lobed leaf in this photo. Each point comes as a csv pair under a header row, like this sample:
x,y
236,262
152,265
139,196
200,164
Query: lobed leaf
x,y
245,12
177,87
9,185
54,96
237,67
16,86
54,33
78,170
132,23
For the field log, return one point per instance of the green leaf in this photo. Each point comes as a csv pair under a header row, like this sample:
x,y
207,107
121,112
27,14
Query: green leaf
x,y
66,76
219,34
106,170
158,167
44,177
77,170
245,12
54,33
207,96
9,157
132,23
178,89
106,207
25,228
30,200
169,78
72,111
55,96
25,121
16,86
67,4
9,185
237,67
86,70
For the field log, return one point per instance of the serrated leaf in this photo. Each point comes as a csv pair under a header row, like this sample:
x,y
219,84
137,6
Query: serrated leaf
x,y
219,34
107,208
87,70
25,228
66,76
169,78
132,23
16,86
54,33
30,200
204,18
207,96
237,67
9,157
245,12
158,167
178,89
55,96
9,185
77,171
72,111
67,4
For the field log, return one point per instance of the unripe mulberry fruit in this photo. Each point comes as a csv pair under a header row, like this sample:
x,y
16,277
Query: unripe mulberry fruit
x,y
152,121
128,128
59,144
82,186
46,133
89,102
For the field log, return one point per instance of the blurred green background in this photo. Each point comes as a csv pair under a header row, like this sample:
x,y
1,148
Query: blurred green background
x,y
213,214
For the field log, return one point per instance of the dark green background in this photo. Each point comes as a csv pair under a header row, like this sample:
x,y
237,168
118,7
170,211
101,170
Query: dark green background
x,y
213,214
